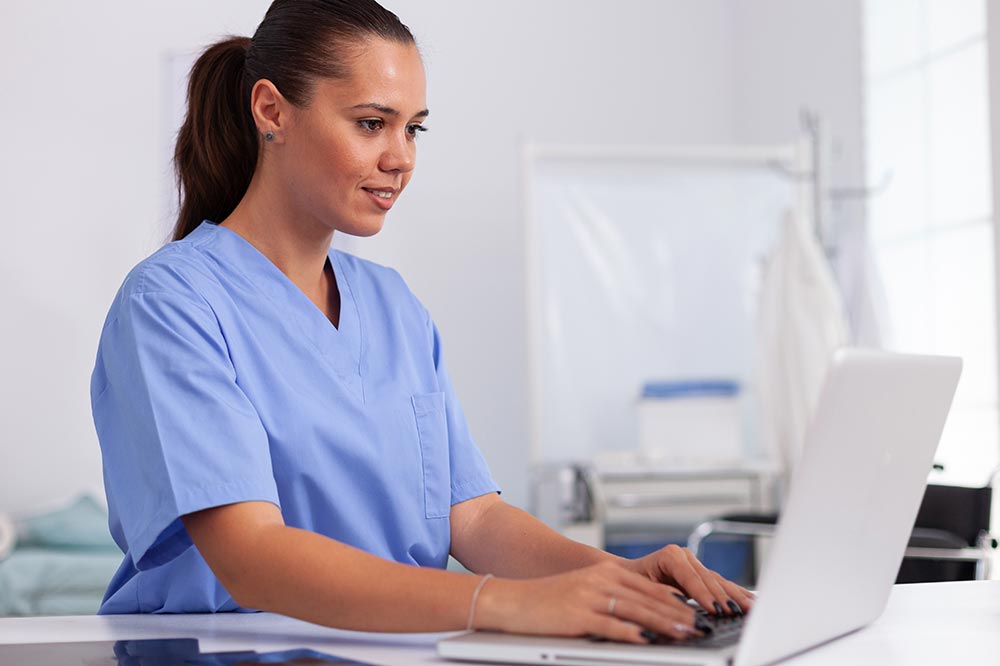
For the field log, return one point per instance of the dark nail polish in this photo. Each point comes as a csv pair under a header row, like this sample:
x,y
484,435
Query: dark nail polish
x,y
733,606
702,626
718,607
650,635
681,597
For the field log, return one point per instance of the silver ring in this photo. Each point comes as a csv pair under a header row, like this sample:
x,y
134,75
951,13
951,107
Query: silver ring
x,y
611,605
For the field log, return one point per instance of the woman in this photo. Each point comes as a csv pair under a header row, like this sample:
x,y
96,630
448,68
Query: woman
x,y
285,408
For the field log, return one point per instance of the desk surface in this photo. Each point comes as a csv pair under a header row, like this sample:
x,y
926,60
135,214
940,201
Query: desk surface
x,y
938,623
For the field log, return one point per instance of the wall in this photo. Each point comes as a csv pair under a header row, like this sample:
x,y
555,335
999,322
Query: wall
x,y
84,164
81,169
795,56
993,67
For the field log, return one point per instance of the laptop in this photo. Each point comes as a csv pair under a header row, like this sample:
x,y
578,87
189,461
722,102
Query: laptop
x,y
852,502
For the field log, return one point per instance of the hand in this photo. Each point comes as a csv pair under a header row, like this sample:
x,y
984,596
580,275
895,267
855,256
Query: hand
x,y
679,567
605,599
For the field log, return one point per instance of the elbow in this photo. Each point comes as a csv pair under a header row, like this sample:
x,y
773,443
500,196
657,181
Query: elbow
x,y
235,541
245,596
237,583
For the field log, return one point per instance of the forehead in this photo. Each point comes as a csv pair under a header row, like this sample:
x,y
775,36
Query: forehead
x,y
383,72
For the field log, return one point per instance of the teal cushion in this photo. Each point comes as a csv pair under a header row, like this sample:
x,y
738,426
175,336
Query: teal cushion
x,y
83,525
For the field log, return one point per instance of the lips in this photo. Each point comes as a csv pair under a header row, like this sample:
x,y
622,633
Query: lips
x,y
382,193
383,197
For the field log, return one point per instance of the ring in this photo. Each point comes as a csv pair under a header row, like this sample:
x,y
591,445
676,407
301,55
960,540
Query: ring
x,y
611,605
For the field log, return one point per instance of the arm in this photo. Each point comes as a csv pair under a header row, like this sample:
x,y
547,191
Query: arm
x,y
489,535
267,565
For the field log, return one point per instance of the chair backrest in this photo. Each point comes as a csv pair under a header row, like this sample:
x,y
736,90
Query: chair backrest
x,y
949,517
965,512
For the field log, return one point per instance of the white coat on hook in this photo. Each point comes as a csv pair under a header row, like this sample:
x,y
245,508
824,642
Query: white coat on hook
x,y
800,322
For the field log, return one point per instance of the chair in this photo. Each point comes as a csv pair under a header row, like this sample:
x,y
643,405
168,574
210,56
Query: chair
x,y
950,539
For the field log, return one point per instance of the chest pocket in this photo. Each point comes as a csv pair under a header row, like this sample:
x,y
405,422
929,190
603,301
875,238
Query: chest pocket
x,y
432,430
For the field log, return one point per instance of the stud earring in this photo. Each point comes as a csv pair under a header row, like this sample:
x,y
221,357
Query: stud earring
x,y
269,136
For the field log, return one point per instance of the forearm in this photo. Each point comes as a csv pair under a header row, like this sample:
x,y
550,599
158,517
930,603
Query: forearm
x,y
311,577
509,542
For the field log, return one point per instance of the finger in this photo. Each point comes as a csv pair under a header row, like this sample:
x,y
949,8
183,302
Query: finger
x,y
721,598
615,629
743,598
638,606
666,594
628,632
675,591
649,614
682,571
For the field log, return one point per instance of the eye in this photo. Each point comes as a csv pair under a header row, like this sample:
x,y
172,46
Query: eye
x,y
415,129
371,124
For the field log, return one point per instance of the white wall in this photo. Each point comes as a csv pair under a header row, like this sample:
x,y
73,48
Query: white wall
x,y
83,163
81,169
793,56
993,67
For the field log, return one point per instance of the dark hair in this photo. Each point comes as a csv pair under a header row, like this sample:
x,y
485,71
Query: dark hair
x,y
298,42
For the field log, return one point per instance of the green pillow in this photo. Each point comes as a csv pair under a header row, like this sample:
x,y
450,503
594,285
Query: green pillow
x,y
83,525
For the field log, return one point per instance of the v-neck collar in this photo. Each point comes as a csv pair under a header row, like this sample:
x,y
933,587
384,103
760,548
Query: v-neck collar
x,y
340,346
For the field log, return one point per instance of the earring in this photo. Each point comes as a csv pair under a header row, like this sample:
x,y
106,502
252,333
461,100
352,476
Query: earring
x,y
269,136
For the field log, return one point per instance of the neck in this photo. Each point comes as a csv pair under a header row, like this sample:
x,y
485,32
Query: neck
x,y
297,244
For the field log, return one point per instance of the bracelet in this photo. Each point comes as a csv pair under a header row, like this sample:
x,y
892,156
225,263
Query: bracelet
x,y
475,597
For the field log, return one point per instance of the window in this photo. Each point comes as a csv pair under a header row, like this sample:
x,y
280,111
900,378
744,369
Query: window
x,y
927,125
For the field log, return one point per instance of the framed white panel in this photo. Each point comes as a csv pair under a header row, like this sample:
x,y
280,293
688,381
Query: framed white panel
x,y
642,266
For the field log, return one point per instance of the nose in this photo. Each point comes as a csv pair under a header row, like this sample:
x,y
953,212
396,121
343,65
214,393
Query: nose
x,y
400,154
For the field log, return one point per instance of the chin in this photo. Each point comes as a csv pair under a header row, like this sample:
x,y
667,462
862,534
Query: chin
x,y
364,230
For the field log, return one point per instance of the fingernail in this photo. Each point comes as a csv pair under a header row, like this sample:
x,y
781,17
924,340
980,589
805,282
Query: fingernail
x,y
733,606
718,607
684,629
650,635
681,597
702,626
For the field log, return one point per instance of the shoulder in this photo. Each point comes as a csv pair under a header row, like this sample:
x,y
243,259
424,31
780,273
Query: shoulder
x,y
179,267
178,272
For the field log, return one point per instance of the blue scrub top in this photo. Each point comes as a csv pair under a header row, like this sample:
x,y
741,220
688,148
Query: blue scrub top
x,y
218,381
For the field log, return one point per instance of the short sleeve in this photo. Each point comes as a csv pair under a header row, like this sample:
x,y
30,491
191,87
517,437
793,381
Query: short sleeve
x,y
470,475
177,432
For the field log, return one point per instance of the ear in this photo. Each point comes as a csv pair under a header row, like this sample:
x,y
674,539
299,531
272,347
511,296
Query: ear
x,y
270,109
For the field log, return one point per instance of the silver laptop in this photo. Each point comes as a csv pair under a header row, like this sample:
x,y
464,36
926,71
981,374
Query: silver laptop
x,y
852,502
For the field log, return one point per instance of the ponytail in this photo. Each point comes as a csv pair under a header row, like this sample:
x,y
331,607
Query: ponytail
x,y
216,150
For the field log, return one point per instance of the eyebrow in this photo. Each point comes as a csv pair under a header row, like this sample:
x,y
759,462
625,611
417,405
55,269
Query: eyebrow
x,y
388,110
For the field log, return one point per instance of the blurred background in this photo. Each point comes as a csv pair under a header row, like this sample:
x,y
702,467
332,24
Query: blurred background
x,y
665,155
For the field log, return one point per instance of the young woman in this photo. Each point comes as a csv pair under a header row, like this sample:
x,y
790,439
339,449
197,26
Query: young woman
x,y
278,428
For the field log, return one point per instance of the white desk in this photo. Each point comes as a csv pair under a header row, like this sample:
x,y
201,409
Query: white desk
x,y
941,623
